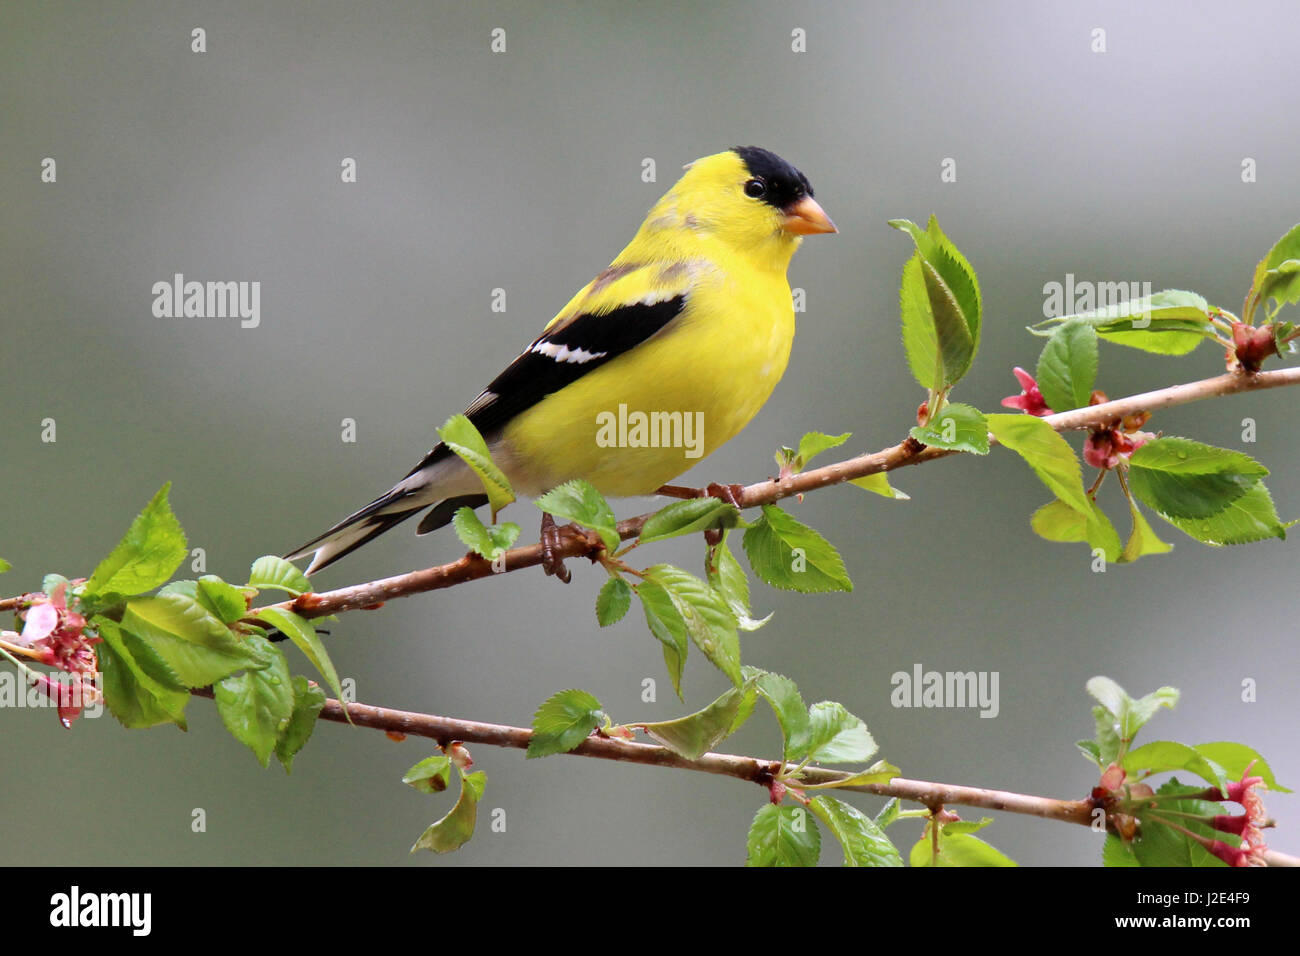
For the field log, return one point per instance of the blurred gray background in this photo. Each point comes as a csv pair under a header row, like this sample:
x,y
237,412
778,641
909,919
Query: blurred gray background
x,y
521,170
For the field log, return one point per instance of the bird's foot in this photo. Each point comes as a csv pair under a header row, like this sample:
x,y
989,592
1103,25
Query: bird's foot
x,y
731,494
552,539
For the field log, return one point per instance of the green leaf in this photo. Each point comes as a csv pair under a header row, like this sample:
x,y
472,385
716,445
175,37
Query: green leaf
x,y
4,565
1277,276
195,646
489,541
273,572
1169,322
612,602
300,630
308,702
941,291
460,435
696,734
888,813
783,836
879,484
1067,367
792,556
919,339
666,624
1115,852
957,427
1057,521
1126,714
882,771
728,579
1251,517
430,775
455,829
687,517
1142,540
1056,466
836,736
132,696
864,843
154,546
224,601
788,706
256,705
563,722
1186,479
1162,756
959,849
1235,758
1158,845
1091,750
579,501
1106,736
813,444
707,618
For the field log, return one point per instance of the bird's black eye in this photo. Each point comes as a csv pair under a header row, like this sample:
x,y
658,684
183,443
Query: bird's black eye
x,y
756,189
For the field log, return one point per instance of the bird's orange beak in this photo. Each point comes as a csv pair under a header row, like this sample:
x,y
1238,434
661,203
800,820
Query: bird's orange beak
x,y
806,218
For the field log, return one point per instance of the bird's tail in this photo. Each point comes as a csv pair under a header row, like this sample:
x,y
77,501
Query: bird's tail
x,y
388,510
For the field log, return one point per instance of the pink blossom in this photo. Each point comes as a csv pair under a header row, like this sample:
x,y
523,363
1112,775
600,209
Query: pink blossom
x,y
1030,400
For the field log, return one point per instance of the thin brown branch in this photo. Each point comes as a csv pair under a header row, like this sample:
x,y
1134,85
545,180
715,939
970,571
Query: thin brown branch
x,y
444,730
909,452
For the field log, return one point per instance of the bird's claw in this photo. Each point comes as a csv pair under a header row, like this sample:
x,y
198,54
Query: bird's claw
x,y
731,494
552,539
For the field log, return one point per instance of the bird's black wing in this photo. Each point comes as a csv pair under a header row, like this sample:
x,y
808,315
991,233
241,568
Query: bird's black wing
x,y
559,357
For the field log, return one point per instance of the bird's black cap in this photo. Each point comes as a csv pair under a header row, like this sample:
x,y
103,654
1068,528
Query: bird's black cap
x,y
785,184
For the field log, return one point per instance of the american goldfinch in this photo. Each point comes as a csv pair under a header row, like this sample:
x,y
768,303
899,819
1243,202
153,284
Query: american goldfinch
x,y
653,365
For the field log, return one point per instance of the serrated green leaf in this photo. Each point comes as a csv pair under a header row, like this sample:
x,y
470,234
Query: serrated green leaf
x,y
1067,367
152,549
879,484
300,630
455,829
688,517
1162,756
666,624
430,775
707,618
132,695
836,736
1107,736
783,836
791,556
256,705
1142,540
1126,715
194,645
1159,845
919,339
1252,517
308,702
612,602
696,734
940,290
957,427
274,572
889,813
462,438
882,771
813,444
1056,466
1091,751
958,849
727,578
1169,322
1235,758
563,722
788,706
863,842
1277,276
579,501
224,601
1115,852
1187,479
488,541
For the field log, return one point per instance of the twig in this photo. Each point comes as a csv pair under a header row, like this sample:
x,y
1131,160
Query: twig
x,y
577,543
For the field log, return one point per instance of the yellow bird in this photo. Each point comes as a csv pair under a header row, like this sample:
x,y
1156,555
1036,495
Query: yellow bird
x,y
653,365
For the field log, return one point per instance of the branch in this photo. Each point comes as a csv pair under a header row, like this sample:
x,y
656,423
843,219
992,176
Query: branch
x,y
579,543
444,730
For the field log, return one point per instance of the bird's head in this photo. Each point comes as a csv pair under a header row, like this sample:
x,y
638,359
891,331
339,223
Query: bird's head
x,y
748,198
